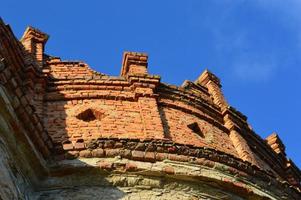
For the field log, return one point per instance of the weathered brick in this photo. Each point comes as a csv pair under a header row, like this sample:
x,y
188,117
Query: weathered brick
x,y
68,146
85,154
168,170
112,152
98,153
106,165
150,157
79,146
138,155
130,167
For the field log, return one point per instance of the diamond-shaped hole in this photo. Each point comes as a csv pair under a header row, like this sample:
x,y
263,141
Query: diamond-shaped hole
x,y
196,129
89,115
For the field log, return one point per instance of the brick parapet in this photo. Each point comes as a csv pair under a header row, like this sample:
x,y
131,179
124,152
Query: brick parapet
x,y
150,88
56,69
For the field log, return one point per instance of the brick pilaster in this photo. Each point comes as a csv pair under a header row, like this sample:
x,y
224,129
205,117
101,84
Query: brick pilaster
x,y
212,83
34,42
232,119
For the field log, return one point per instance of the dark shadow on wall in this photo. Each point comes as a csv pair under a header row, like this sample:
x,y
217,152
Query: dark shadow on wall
x,y
166,127
78,184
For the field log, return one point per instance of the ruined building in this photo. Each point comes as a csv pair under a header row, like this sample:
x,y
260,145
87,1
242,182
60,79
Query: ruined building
x,y
68,132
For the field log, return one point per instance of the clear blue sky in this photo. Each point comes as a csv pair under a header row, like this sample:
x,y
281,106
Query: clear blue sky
x,y
254,46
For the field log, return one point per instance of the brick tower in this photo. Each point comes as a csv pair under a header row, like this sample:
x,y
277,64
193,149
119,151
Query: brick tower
x,y
68,132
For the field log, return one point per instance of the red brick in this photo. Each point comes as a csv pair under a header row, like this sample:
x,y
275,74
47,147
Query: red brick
x,y
106,165
130,167
68,147
168,170
79,146
161,156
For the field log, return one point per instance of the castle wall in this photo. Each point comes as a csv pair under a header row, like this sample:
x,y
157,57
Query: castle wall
x,y
68,132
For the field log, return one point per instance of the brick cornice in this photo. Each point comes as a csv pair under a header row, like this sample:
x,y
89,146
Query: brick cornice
x,y
159,150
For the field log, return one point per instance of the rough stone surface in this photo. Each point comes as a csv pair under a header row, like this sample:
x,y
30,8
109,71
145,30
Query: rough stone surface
x,y
11,183
180,192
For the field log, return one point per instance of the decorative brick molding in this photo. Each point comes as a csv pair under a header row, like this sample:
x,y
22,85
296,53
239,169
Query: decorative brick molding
x,y
154,151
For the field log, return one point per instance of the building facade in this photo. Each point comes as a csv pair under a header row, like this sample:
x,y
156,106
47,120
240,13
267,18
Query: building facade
x,y
69,132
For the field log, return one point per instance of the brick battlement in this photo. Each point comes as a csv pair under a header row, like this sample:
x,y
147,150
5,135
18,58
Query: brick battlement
x,y
137,105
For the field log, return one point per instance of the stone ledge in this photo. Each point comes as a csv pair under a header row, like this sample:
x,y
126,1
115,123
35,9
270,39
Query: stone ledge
x,y
165,171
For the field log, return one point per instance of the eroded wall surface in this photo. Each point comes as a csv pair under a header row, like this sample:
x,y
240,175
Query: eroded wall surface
x,y
174,191
13,184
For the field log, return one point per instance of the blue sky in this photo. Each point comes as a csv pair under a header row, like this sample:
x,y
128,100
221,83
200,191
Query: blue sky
x,y
254,46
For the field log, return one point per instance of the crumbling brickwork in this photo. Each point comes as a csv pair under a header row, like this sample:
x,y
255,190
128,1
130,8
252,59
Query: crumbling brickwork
x,y
82,134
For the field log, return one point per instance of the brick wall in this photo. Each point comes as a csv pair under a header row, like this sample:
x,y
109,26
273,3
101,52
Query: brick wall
x,y
82,105
74,89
